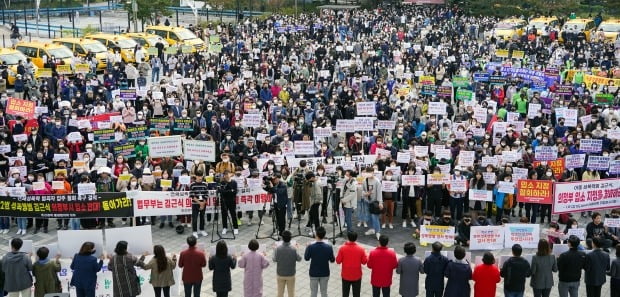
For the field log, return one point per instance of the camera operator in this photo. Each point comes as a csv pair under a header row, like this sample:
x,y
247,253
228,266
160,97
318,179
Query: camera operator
x,y
280,191
198,191
228,189
348,198
312,199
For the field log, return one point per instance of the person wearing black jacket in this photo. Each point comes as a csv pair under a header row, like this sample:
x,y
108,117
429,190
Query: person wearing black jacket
x,y
198,191
434,267
278,188
596,266
463,230
228,190
570,264
515,271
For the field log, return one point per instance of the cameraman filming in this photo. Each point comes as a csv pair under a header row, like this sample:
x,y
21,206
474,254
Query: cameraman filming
x,y
279,189
312,199
228,189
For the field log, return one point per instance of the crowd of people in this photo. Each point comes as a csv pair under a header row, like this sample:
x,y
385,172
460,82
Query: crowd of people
x,y
304,74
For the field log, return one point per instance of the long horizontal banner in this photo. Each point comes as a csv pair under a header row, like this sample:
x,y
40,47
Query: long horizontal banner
x,y
248,199
99,205
158,203
586,195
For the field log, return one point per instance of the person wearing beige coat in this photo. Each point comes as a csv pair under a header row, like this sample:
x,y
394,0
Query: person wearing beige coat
x,y
162,278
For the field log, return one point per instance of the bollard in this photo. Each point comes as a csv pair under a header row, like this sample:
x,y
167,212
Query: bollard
x,y
49,29
3,41
60,31
25,23
177,18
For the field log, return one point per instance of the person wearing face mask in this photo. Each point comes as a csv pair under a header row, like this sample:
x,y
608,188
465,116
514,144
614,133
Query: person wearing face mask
x,y
463,230
387,217
228,190
503,201
371,191
47,189
35,139
59,131
457,201
225,164
66,189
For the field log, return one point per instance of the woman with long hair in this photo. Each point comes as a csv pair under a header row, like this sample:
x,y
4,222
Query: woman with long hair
x,y
161,268
543,266
221,264
85,267
125,278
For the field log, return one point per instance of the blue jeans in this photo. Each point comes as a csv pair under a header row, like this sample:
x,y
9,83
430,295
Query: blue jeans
x,y
22,223
5,223
362,210
162,219
375,223
348,218
512,294
195,287
74,224
155,74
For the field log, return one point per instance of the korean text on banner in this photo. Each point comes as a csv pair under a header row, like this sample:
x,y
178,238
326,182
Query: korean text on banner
x,y
157,203
586,195
546,153
304,147
432,233
366,108
486,238
535,191
252,120
413,180
480,195
248,199
199,150
165,146
19,107
527,235
99,205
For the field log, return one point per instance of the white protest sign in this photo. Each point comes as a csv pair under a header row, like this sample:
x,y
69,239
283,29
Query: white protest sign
x,y
527,235
366,108
199,150
403,157
480,195
165,146
579,232
304,147
506,187
486,238
70,241
466,158
26,246
139,239
437,108
458,185
413,180
386,125
575,161
252,120
420,150
389,186
87,189
612,223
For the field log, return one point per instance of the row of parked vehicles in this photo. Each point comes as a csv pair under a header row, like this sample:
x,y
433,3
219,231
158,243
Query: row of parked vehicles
x,y
510,27
98,44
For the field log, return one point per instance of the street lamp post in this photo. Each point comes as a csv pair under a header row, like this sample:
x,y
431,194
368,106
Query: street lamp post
x,y
134,9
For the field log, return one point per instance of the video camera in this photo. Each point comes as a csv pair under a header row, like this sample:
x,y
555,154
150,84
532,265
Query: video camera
x,y
332,178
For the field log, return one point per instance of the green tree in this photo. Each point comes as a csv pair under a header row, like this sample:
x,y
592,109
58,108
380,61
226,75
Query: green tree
x,y
148,10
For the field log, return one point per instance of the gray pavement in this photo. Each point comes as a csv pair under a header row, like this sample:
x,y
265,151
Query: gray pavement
x,y
398,236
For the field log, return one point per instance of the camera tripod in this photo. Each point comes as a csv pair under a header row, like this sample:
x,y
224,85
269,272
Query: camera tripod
x,y
215,230
335,200
298,189
274,230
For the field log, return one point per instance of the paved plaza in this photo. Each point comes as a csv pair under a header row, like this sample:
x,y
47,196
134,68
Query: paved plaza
x,y
398,236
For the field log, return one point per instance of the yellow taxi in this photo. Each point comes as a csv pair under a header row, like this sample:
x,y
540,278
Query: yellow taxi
x,y
176,35
576,25
36,51
542,22
12,57
82,46
124,44
610,28
507,28
147,40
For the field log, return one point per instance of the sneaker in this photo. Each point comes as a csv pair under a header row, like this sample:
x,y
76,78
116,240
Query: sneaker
x,y
365,225
188,225
224,231
195,234
413,224
250,222
203,233
359,224
236,231
65,227
378,235
170,224
19,232
383,226
45,230
123,222
311,234
370,232
391,226
147,221
404,224
161,225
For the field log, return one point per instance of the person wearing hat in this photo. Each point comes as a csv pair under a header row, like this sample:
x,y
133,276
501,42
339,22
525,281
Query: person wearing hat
x,y
311,199
105,183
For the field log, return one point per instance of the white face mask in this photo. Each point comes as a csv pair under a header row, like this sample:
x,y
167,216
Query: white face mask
x,y
246,166
549,173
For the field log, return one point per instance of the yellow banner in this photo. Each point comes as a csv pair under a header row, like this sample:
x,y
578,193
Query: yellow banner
x,y
518,54
502,53
427,80
64,69
82,68
44,72
599,80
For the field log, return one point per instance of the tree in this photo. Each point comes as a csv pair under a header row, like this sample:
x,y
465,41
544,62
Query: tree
x,y
149,10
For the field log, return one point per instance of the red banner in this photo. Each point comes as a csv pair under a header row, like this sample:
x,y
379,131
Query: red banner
x,y
535,191
558,166
19,107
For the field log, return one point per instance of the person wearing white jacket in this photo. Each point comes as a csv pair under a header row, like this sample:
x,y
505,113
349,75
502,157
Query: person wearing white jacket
x,y
348,198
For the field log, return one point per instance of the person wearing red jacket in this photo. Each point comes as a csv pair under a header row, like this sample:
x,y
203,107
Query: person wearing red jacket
x,y
382,261
485,277
192,261
352,256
